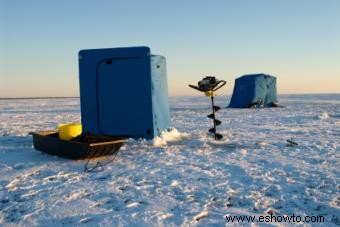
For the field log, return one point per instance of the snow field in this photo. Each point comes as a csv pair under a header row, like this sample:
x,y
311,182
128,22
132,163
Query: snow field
x,y
183,177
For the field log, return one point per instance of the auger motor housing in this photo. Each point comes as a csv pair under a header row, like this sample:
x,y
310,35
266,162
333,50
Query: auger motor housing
x,y
209,85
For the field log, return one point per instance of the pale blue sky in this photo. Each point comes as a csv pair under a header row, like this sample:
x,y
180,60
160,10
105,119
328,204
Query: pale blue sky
x,y
298,41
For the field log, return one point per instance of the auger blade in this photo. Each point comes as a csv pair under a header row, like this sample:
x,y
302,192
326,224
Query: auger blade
x,y
212,130
217,122
211,116
216,108
218,136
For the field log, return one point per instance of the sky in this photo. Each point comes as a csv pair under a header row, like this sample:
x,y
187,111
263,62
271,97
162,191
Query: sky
x,y
298,41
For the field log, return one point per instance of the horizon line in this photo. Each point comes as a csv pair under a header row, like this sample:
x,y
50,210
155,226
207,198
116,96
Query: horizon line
x,y
69,97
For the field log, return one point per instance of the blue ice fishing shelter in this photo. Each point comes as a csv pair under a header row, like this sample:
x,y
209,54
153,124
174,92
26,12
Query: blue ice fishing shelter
x,y
254,90
123,92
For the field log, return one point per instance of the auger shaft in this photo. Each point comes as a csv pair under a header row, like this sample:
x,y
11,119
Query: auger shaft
x,y
215,121
213,109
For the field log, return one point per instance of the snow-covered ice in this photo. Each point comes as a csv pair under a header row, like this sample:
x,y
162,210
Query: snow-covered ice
x,y
183,177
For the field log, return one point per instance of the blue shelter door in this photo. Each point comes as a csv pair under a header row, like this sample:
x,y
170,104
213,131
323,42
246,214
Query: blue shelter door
x,y
124,96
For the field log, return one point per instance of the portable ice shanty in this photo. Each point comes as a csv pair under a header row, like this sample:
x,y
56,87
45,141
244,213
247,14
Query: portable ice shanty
x,y
123,92
254,90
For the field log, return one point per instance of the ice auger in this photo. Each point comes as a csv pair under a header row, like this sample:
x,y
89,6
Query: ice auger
x,y
209,85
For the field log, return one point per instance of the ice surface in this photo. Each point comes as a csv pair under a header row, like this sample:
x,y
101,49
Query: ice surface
x,y
183,177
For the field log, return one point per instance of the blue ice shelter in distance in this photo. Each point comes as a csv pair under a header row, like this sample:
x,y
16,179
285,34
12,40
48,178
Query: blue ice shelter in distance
x,y
123,92
254,90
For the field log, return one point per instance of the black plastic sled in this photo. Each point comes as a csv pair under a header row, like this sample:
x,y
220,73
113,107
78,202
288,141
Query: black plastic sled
x,y
82,147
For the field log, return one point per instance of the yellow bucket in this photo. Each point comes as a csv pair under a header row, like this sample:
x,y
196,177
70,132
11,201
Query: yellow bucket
x,y
69,131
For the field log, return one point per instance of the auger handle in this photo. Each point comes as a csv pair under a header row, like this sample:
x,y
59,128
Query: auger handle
x,y
217,86
195,87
